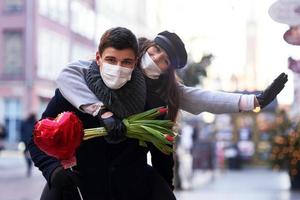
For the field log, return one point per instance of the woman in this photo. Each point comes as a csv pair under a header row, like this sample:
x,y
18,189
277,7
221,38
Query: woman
x,y
159,59
112,167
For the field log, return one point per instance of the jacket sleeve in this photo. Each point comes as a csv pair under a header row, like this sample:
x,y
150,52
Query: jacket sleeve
x,y
196,100
163,164
46,163
72,85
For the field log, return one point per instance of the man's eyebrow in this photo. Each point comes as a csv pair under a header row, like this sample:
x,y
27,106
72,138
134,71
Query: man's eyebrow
x,y
111,57
128,59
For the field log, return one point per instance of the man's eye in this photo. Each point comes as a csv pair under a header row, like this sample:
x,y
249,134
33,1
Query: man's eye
x,y
127,62
110,60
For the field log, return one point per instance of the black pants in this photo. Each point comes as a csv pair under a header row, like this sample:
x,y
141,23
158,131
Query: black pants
x,y
161,190
51,194
28,162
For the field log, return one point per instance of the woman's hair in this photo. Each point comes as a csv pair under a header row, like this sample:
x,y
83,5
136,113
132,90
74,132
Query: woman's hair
x,y
169,80
119,38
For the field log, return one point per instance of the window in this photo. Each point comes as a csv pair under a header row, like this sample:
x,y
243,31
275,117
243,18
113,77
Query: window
x,y
13,53
13,109
50,62
13,5
83,16
81,52
56,10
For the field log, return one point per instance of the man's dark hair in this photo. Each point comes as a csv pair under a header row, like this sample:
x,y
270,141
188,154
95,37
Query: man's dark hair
x,y
119,38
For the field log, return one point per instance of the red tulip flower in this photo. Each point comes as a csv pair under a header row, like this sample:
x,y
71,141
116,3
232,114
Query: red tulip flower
x,y
163,110
170,138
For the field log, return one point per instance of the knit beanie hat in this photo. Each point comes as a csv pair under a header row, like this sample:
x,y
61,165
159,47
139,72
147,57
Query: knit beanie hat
x,y
174,47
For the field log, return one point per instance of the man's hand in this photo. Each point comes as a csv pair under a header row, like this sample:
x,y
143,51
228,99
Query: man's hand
x,y
269,94
67,182
114,126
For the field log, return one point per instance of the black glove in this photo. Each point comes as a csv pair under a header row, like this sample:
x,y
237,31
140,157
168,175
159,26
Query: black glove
x,y
116,130
269,94
66,181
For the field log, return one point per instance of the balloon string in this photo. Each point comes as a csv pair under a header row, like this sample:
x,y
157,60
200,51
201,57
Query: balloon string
x,y
79,192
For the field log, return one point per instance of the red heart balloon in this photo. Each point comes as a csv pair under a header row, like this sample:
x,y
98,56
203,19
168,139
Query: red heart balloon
x,y
59,137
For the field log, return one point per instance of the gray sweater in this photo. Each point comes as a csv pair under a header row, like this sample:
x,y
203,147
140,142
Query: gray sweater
x,y
73,87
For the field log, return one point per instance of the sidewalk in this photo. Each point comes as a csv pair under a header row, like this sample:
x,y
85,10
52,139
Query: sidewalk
x,y
14,184
248,184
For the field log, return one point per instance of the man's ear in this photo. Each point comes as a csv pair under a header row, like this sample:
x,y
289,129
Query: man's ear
x,y
98,57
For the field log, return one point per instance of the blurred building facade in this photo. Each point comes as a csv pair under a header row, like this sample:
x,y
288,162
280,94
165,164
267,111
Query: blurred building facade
x,y
130,13
38,38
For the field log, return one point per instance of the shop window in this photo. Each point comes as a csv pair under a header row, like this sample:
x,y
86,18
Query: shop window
x,y
13,5
12,116
13,53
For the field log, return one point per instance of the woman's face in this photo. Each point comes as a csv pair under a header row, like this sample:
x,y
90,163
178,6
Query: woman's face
x,y
160,57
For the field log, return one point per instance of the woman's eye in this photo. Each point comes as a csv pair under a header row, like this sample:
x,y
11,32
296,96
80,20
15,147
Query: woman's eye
x,y
157,48
167,62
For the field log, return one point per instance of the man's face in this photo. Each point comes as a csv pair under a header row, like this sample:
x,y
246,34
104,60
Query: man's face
x,y
124,58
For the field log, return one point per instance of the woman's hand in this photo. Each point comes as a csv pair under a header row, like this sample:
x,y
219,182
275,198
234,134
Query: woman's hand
x,y
269,94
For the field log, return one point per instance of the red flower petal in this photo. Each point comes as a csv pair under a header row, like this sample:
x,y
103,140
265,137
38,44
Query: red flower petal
x,y
169,138
163,110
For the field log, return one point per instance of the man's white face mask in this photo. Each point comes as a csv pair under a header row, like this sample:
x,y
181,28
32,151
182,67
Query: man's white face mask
x,y
149,67
115,76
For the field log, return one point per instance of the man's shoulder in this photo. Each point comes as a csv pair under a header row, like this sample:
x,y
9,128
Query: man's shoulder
x,y
62,100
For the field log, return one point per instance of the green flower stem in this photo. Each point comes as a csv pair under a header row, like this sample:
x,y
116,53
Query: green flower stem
x,y
143,127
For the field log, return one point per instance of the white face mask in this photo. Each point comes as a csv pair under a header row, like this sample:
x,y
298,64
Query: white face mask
x,y
115,76
149,67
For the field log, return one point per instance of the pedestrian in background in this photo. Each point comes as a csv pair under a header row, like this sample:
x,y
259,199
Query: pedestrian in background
x,y
3,135
27,126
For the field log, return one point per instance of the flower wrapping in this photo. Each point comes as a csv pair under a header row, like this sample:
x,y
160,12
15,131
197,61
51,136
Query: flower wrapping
x,y
60,137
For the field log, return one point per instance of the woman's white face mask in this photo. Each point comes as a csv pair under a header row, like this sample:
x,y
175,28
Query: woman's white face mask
x,y
149,67
115,76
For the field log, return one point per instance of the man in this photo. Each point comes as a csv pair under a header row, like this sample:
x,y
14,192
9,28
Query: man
x,y
113,167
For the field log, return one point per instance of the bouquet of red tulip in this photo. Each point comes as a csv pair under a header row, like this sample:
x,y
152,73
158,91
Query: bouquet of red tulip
x,y
146,128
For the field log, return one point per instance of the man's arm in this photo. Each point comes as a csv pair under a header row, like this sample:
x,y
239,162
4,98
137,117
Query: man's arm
x,y
45,163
